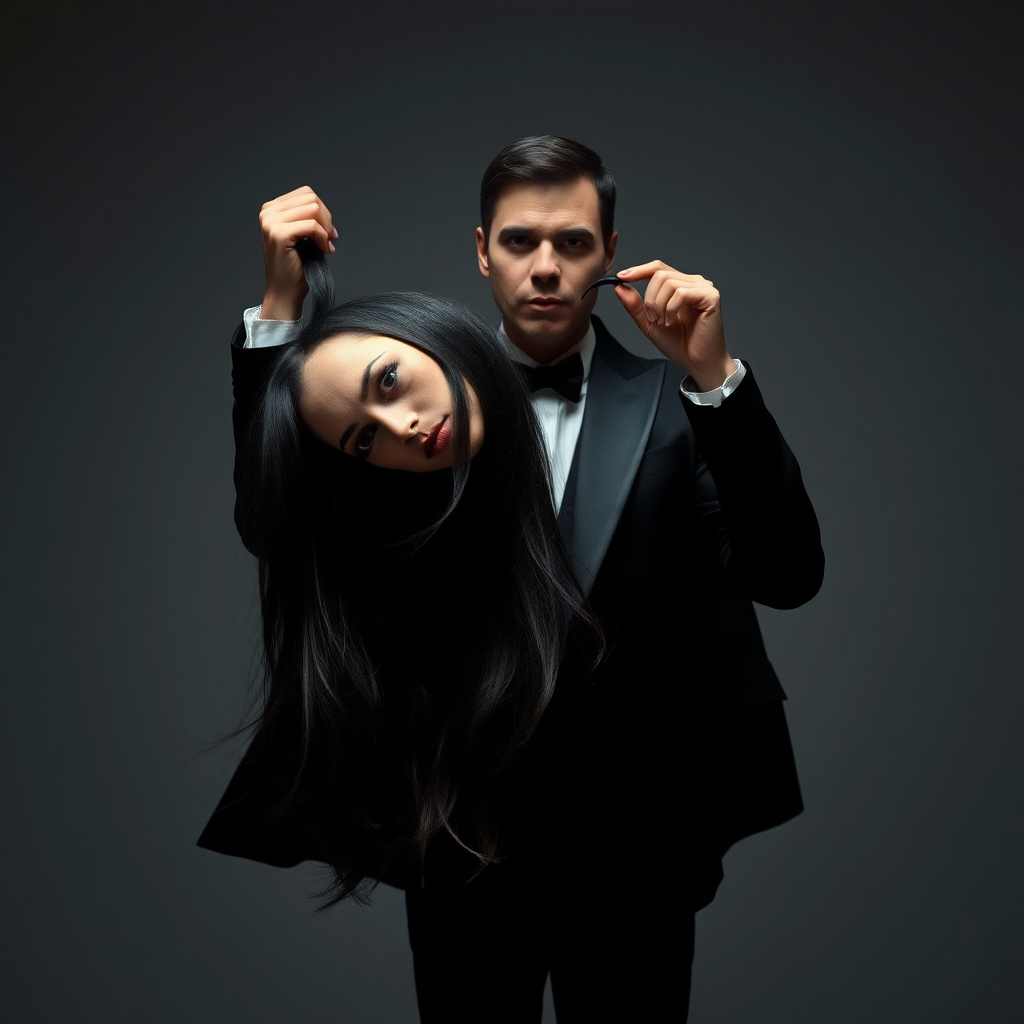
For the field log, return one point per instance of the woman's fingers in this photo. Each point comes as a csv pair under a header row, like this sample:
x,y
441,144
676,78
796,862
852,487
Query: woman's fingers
x,y
284,222
287,218
288,234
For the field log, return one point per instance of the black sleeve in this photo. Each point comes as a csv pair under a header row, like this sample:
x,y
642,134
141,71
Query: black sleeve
x,y
751,495
250,368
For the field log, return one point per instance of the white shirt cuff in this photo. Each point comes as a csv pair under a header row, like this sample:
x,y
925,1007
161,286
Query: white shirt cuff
x,y
689,387
267,333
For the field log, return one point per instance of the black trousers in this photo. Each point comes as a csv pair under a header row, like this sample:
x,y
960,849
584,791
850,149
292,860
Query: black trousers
x,y
482,951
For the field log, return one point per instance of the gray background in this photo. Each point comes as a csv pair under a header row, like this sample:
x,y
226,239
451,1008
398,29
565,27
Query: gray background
x,y
849,177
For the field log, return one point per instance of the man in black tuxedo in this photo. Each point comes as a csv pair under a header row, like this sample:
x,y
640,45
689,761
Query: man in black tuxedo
x,y
681,504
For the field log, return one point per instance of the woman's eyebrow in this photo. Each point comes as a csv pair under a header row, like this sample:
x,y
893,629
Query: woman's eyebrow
x,y
364,390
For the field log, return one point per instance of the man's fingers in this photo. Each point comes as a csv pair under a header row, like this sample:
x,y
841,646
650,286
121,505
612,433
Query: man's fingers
x,y
669,291
643,271
703,298
633,304
661,277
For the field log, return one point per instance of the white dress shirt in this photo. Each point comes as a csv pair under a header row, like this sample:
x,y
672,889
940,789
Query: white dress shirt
x,y
560,419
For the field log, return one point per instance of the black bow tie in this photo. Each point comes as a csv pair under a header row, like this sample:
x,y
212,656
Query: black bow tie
x,y
565,376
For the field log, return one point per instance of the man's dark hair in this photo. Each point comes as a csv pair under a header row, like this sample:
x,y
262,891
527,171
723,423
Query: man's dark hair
x,y
546,160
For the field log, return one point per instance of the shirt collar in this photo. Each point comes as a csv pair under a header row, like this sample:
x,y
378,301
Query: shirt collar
x,y
585,346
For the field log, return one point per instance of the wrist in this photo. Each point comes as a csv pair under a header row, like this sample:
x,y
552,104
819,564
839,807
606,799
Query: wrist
x,y
277,307
707,378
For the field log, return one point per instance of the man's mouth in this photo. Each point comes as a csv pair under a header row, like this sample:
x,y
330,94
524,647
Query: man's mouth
x,y
544,302
437,439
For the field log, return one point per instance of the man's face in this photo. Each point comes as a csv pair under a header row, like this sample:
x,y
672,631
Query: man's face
x,y
545,249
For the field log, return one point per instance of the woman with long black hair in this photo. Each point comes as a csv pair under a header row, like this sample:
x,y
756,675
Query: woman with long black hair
x,y
413,623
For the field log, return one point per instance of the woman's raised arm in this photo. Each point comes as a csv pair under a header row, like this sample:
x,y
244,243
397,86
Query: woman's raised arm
x,y
284,222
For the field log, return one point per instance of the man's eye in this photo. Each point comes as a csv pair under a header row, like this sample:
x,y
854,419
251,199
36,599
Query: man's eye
x,y
518,240
364,441
388,379
574,243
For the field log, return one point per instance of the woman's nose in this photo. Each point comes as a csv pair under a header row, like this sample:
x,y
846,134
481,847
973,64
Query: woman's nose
x,y
399,420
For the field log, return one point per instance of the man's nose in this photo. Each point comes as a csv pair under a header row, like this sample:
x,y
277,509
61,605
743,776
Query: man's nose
x,y
545,265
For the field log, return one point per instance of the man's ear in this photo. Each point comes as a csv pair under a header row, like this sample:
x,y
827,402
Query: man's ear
x,y
609,251
481,252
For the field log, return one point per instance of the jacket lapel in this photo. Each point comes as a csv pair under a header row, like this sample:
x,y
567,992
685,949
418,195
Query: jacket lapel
x,y
622,399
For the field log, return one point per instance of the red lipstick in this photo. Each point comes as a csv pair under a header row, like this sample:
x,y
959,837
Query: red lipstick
x,y
437,439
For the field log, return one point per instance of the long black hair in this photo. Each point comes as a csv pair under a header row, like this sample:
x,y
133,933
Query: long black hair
x,y
413,624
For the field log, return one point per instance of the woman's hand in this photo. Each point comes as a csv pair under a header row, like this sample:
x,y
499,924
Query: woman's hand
x,y
284,222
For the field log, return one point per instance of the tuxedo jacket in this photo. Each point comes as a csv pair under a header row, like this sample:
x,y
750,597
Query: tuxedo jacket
x,y
677,517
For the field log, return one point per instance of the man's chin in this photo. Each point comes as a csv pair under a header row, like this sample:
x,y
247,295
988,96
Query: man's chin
x,y
546,339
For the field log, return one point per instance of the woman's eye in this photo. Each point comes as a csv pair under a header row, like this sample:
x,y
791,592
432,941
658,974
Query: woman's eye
x,y
388,379
364,441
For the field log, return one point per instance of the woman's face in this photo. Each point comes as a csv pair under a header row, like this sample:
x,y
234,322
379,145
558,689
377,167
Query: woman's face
x,y
385,401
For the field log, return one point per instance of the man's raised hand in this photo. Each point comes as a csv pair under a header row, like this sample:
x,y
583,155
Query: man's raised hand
x,y
682,315
284,222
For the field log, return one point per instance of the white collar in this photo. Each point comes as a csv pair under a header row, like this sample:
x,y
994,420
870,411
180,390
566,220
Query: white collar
x,y
585,346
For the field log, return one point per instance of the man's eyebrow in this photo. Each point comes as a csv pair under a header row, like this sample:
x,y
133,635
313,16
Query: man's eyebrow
x,y
515,229
364,390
